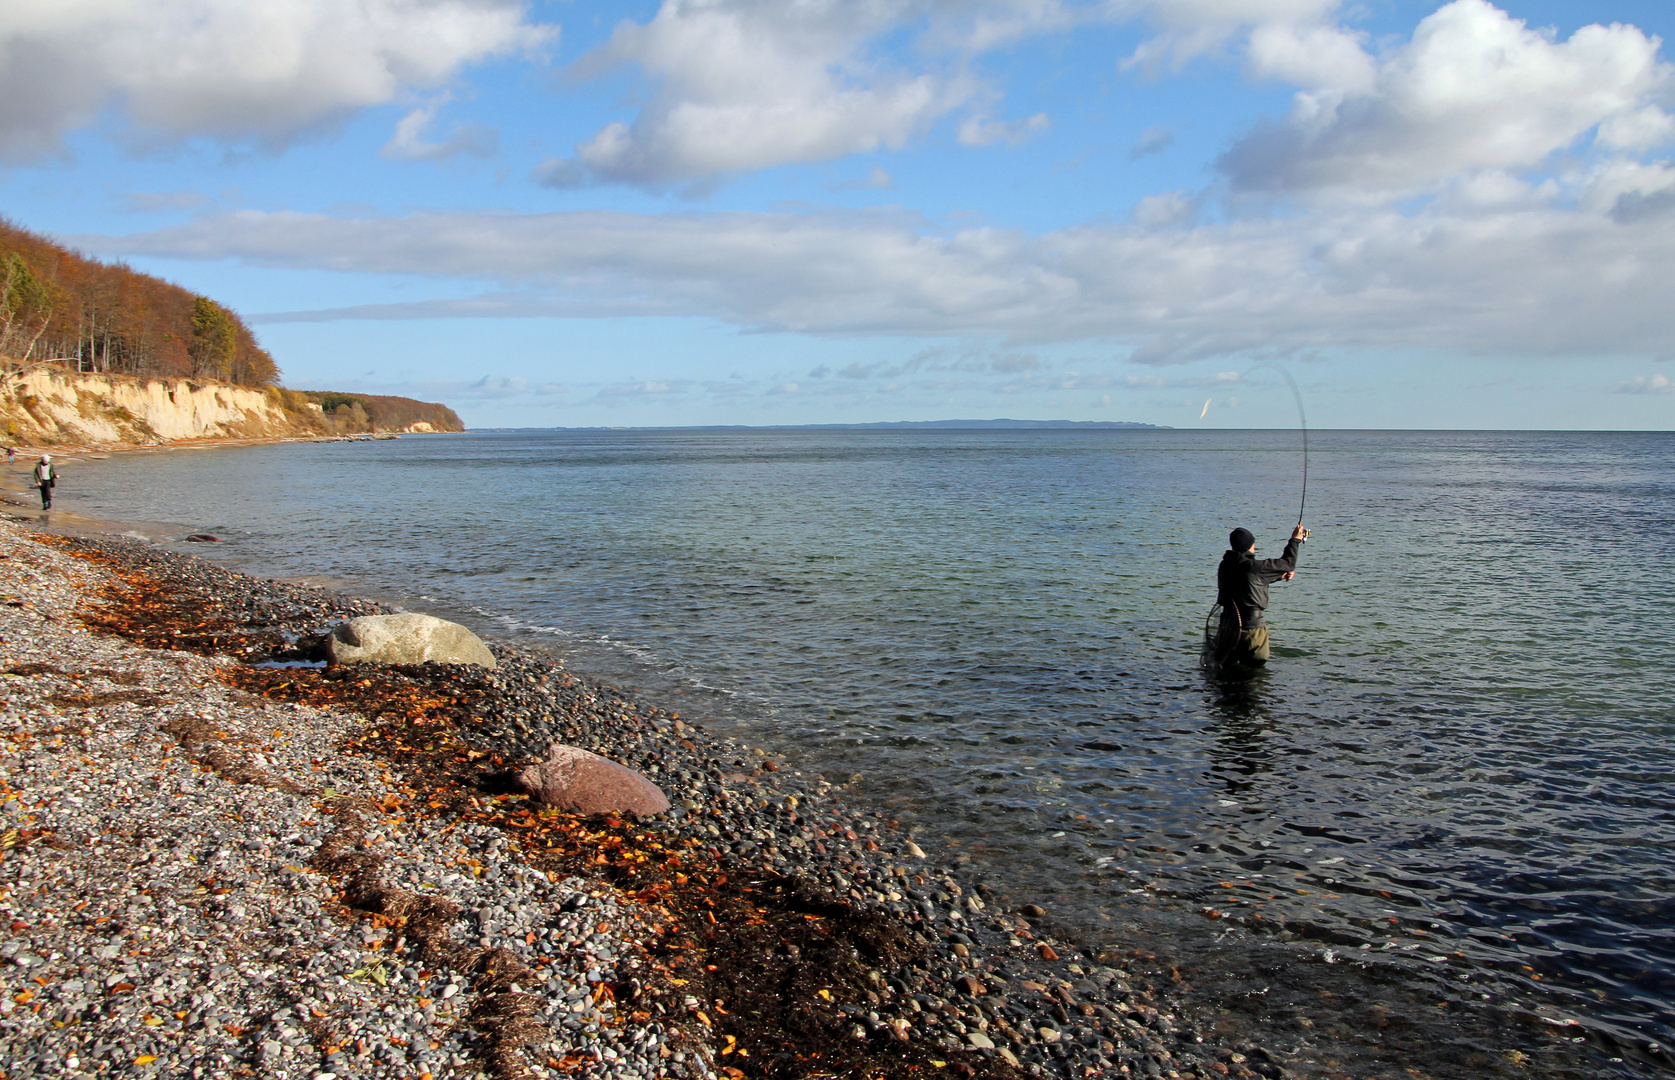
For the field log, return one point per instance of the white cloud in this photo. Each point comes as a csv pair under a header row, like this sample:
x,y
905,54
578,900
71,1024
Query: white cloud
x,y
411,140
642,390
742,85
1647,384
749,84
939,360
1474,90
876,179
1191,28
1315,57
1538,280
1154,140
975,27
983,131
1170,208
495,388
257,69
146,202
1640,129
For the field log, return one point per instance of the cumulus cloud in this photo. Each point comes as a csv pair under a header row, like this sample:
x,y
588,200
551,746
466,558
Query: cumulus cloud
x,y
1475,89
741,85
258,69
1191,28
1317,57
748,84
1169,208
1546,280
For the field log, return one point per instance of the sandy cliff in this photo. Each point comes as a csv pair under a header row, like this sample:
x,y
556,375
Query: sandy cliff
x,y
43,405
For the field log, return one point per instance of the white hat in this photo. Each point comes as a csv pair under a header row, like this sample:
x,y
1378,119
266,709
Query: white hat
x,y
46,457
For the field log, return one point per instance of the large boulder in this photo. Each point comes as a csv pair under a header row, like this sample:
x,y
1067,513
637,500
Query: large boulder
x,y
405,639
581,782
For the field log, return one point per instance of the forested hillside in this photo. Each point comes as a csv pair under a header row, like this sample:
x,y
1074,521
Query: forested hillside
x,y
376,412
57,305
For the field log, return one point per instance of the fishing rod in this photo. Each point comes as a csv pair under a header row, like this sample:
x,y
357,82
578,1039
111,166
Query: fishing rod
x,y
1302,422
1219,642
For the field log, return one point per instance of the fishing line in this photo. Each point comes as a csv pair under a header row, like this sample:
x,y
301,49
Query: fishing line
x,y
1220,641
1302,422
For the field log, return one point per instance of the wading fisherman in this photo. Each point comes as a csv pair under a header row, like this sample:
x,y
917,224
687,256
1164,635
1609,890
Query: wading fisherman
x,y
1242,582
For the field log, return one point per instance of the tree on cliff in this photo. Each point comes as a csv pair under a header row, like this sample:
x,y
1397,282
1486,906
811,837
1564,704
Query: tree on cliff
x,y
57,305
26,306
214,340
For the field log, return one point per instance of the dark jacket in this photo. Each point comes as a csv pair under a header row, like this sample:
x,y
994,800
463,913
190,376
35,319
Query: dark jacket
x,y
1242,582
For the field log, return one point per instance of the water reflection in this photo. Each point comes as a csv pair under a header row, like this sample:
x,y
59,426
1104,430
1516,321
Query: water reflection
x,y
1240,746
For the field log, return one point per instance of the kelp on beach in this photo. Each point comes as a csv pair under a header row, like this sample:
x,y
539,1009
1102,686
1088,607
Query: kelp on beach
x,y
777,963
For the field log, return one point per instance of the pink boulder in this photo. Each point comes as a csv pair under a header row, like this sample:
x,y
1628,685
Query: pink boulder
x,y
585,783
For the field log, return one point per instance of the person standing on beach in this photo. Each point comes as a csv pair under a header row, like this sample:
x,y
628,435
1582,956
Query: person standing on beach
x,y
11,454
1242,582
46,477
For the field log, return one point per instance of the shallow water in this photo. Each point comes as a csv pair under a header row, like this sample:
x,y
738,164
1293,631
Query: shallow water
x,y
1455,775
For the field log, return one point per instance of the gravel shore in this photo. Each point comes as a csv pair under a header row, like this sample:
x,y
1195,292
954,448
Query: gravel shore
x,y
221,858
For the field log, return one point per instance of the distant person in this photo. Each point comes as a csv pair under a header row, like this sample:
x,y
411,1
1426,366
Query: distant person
x,y
1242,582
11,454
46,477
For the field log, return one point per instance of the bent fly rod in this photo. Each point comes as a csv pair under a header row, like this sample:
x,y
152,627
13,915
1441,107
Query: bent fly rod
x,y
1219,640
1302,422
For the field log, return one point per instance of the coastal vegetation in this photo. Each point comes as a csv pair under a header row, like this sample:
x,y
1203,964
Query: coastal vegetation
x,y
59,306
378,412
97,352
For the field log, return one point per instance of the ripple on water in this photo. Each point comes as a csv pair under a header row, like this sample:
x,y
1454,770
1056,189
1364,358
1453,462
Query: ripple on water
x,y
1453,776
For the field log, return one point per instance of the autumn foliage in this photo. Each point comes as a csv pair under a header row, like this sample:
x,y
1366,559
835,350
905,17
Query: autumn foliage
x,y
377,412
59,306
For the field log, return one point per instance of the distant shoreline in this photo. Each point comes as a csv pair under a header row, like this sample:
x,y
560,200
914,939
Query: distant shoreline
x,y
881,425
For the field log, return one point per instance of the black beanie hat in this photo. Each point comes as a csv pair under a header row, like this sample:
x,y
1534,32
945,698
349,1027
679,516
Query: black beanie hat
x,y
1241,539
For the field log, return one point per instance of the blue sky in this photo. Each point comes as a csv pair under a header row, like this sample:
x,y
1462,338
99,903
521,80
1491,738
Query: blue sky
x,y
803,211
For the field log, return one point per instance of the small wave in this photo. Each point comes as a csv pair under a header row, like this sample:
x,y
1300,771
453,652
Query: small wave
x,y
522,626
648,657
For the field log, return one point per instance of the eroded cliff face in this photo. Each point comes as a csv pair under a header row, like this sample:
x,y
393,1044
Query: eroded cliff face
x,y
47,406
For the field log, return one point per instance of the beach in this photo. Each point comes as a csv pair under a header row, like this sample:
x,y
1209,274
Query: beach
x,y
1344,863
217,866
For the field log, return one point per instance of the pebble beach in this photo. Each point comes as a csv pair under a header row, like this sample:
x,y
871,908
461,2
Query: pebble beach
x,y
223,858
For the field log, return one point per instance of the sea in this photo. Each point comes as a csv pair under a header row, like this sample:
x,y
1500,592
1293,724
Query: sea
x,y
1439,827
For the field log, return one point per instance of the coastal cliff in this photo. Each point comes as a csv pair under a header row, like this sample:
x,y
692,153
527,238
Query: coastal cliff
x,y
49,405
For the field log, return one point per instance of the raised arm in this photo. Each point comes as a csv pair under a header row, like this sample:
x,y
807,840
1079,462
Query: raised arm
x,y
1269,571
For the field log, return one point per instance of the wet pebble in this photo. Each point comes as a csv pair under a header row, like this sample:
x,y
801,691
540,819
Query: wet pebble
x,y
172,915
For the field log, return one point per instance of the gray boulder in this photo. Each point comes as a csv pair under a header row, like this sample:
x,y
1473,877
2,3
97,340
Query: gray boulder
x,y
406,639
581,782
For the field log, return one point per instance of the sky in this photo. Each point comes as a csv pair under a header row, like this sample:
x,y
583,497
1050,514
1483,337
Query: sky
x,y
814,211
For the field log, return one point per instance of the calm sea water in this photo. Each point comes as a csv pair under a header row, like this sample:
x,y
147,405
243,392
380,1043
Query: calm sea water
x,y
1454,780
